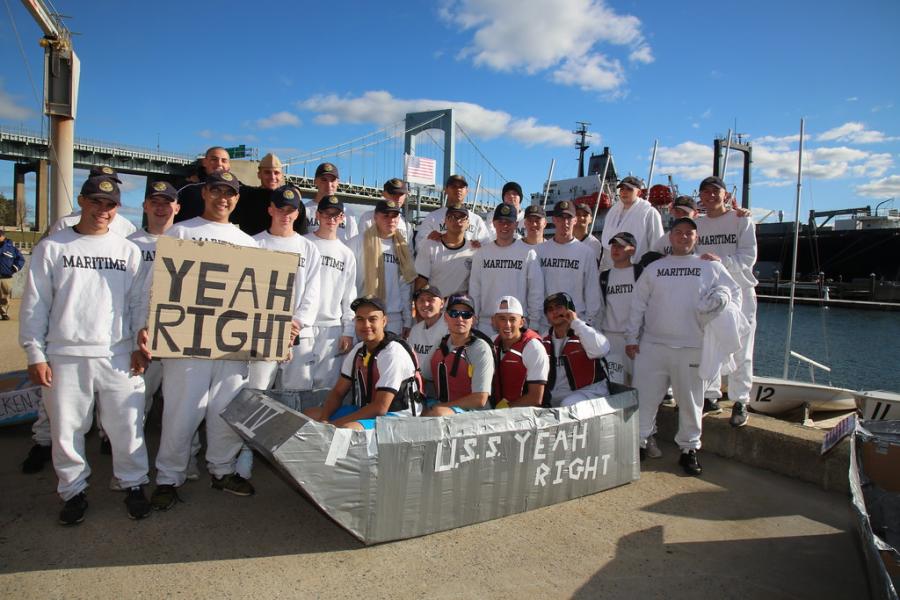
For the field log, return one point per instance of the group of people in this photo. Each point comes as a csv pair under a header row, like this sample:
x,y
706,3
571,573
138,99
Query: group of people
x,y
457,315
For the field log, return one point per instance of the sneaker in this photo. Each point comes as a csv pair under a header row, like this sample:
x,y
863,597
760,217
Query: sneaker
x,y
37,457
739,416
105,447
164,497
643,453
193,470
653,450
669,401
73,511
689,463
711,406
233,484
137,504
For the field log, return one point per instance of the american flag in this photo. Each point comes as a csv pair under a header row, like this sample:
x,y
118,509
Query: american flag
x,y
420,170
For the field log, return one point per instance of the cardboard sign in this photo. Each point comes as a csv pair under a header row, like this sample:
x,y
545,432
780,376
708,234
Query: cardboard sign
x,y
220,301
19,398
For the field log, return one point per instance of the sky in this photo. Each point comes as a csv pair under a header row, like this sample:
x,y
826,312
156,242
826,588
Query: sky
x,y
293,79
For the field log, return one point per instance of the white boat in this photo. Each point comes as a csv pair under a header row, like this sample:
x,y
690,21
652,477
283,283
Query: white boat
x,y
879,405
775,395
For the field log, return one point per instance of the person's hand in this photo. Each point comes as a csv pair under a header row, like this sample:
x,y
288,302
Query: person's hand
x,y
711,256
295,330
742,212
345,344
139,362
143,340
40,374
434,235
475,244
632,350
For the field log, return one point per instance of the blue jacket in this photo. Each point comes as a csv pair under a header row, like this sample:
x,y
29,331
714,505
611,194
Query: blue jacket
x,y
11,260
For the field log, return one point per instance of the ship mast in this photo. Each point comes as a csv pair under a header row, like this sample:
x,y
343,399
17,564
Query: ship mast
x,y
581,144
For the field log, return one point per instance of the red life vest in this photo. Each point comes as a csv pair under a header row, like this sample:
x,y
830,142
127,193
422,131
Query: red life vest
x,y
510,380
451,369
580,369
366,375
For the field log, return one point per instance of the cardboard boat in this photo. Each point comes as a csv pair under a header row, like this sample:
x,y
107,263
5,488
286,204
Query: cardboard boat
x,y
414,476
19,398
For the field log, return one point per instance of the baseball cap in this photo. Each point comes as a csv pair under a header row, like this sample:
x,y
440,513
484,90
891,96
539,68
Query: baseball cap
x,y
623,238
225,178
395,186
286,195
505,212
387,206
583,205
104,171
458,209
330,202
564,208
685,201
559,299
101,187
163,189
428,289
456,180
681,220
463,299
512,186
371,300
270,161
631,182
716,181
327,169
535,209
513,306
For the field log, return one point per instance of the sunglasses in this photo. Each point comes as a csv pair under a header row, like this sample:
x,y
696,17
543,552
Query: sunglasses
x,y
464,314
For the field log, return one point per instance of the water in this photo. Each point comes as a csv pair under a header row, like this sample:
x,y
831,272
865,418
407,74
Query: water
x,y
862,347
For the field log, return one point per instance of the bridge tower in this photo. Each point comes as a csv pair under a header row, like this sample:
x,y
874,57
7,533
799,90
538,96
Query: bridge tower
x,y
434,119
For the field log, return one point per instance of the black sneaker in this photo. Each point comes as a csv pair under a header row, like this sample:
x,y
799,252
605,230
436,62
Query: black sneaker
x,y
711,406
164,497
73,511
643,453
137,504
105,447
37,457
739,416
689,463
233,484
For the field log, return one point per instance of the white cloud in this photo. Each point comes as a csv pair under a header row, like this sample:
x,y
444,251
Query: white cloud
x,y
853,99
381,108
889,187
854,132
279,119
12,110
562,35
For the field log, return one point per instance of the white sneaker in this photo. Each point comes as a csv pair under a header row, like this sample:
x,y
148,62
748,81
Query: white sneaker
x,y
193,471
653,450
244,464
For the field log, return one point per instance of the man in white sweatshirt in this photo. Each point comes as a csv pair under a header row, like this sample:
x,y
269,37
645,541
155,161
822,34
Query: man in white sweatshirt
x,y
634,214
664,336
333,330
82,307
394,189
195,388
119,224
425,335
432,226
447,262
726,236
570,266
506,267
326,181
617,287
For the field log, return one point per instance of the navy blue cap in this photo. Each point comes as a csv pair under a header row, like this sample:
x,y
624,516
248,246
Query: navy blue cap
x,y
286,195
685,201
330,202
632,182
387,206
463,299
505,212
564,208
371,300
687,220
512,186
535,209
163,189
428,289
456,180
716,181
101,187
395,186
327,169
105,171
559,299
225,178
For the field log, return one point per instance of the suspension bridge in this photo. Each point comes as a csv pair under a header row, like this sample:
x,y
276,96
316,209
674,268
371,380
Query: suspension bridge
x,y
365,163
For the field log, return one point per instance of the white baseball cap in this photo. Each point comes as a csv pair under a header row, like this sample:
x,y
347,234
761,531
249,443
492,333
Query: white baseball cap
x,y
513,306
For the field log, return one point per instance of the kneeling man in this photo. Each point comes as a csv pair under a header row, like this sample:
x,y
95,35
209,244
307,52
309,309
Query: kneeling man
x,y
523,363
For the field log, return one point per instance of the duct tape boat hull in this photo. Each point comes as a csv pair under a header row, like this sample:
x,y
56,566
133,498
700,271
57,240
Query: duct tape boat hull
x,y
414,476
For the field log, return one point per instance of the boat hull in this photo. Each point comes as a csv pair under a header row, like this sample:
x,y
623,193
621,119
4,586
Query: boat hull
x,y
878,405
414,476
774,396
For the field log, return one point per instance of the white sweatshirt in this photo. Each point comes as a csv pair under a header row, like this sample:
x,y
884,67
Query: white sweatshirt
x,y
307,281
368,217
424,341
337,289
434,221
346,230
667,297
83,297
398,292
446,268
596,245
199,229
119,224
640,220
733,240
511,270
572,268
619,297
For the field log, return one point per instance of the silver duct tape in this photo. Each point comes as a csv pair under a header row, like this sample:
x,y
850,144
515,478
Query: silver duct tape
x,y
415,476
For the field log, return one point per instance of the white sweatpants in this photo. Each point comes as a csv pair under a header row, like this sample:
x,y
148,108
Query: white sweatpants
x,y
326,366
153,376
595,390
40,429
657,365
196,389
621,368
296,373
70,402
741,379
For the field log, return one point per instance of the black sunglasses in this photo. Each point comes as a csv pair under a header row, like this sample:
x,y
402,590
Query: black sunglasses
x,y
465,314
